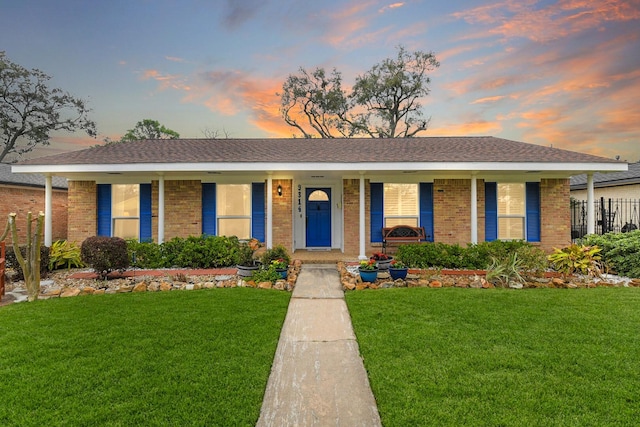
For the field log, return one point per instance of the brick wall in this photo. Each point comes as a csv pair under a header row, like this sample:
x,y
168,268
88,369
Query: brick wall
x,y
452,211
351,207
22,200
182,208
555,214
282,214
82,212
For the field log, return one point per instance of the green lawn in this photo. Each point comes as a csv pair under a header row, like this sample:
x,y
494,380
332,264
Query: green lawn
x,y
544,357
175,358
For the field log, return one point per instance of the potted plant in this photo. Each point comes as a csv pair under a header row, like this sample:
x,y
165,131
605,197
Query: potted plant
x,y
398,270
247,264
368,271
278,257
382,259
281,266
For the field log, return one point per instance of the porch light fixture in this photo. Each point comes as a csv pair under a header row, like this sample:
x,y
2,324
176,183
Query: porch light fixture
x,y
280,190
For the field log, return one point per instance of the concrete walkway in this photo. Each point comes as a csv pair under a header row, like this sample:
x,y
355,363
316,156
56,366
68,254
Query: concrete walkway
x,y
317,377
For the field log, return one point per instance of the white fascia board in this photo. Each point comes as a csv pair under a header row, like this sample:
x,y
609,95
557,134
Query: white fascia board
x,y
308,166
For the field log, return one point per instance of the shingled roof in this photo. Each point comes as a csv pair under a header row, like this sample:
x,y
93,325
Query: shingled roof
x,y
631,176
8,178
359,150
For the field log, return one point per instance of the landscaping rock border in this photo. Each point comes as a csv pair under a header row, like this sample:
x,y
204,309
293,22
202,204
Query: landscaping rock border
x,y
351,280
59,284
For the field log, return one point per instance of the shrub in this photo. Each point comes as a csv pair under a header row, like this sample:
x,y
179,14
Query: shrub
x,y
192,252
12,261
619,251
278,252
268,274
504,272
64,254
577,258
105,254
475,256
207,252
430,255
147,254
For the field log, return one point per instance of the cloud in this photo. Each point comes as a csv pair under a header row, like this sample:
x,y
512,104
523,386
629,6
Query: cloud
x,y
552,21
237,12
488,99
234,92
166,81
174,59
391,7
468,126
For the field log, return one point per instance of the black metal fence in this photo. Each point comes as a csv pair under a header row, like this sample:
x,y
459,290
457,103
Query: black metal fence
x,y
611,215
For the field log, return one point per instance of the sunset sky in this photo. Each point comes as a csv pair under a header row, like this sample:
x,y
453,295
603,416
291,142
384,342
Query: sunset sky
x,y
564,73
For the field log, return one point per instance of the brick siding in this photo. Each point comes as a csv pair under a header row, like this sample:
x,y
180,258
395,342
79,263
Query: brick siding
x,y
282,213
82,211
182,208
555,214
452,211
22,200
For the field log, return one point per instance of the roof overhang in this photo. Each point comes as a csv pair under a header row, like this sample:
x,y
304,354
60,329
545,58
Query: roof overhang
x,y
367,167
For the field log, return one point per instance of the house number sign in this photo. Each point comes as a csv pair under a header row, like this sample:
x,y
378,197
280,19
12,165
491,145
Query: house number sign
x,y
300,199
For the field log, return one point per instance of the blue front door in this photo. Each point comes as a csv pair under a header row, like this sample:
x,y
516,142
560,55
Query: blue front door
x,y
318,221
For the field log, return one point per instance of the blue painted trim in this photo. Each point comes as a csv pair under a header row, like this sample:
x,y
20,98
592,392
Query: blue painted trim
x,y
490,211
376,211
426,209
533,211
103,196
209,215
258,215
145,213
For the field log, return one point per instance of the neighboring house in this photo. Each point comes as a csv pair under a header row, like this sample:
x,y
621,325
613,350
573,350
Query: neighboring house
x,y
22,193
614,185
320,194
617,201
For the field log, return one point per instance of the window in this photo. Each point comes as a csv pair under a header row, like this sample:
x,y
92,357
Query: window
x,y
401,205
511,211
125,210
233,203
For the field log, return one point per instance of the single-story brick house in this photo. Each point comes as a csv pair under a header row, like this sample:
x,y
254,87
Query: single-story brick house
x,y
22,193
322,193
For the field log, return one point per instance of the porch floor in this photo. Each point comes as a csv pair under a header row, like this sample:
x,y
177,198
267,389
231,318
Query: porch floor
x,y
323,257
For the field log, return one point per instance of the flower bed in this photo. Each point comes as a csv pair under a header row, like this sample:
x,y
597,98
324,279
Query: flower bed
x,y
471,279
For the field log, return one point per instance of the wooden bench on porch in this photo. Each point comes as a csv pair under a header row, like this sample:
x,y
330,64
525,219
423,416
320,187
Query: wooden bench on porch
x,y
401,234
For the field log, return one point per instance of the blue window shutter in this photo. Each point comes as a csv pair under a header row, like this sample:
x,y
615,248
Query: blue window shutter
x,y
145,213
377,211
209,209
533,211
103,192
258,211
426,209
490,211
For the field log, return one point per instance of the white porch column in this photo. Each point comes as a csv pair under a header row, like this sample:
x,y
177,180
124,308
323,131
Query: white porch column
x,y
362,255
161,209
591,217
48,211
474,209
269,236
